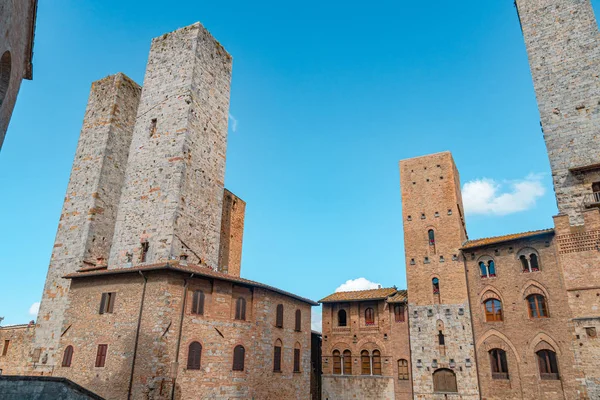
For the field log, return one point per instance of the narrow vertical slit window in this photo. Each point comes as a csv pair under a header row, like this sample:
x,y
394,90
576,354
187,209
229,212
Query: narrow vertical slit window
x,y
101,355
145,246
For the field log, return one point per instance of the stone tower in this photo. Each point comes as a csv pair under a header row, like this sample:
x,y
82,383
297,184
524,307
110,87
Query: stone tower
x,y
172,200
564,55
89,212
563,46
434,230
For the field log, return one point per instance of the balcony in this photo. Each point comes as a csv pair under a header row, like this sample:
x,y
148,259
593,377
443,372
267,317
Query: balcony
x,y
591,200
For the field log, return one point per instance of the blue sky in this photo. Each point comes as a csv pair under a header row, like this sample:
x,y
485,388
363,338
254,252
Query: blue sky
x,y
326,99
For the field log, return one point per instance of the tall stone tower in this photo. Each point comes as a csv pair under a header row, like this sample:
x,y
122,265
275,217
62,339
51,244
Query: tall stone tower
x,y
442,351
172,200
563,45
89,212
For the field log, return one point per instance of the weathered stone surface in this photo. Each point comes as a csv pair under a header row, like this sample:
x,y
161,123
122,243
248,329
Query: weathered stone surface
x,y
232,234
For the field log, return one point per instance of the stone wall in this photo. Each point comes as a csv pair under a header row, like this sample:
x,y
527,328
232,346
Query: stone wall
x,y
176,168
563,46
232,234
17,19
19,339
86,226
358,387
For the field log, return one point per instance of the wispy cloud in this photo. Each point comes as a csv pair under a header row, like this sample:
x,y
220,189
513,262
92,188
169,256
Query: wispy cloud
x,y
316,319
233,123
357,284
34,309
489,197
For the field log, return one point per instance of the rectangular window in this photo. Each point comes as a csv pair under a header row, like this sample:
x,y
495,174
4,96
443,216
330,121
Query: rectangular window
x,y
107,303
5,348
296,360
144,253
277,359
399,313
101,355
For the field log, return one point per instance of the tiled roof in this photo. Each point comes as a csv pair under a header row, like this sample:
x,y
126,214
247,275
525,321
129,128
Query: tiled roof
x,y
16,326
359,295
471,244
191,269
401,296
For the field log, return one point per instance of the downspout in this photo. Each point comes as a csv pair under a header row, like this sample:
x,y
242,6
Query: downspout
x,y
185,287
137,336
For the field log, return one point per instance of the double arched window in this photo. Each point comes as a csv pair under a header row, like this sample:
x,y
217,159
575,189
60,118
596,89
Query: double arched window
x,y
536,304
369,316
370,364
342,318
487,268
194,355
529,259
493,310
499,364
547,364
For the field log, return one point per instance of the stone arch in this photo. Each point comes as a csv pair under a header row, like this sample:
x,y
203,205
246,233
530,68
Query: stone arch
x,y
538,341
370,344
5,72
341,346
534,287
439,325
492,333
527,252
490,292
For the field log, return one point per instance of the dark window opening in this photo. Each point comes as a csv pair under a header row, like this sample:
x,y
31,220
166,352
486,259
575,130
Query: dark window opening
x,y
369,316
107,303
431,235
547,364
198,302
436,286
297,360
533,260
5,72
144,253
441,338
298,321
279,316
238,358
277,357
499,364
101,355
153,126
67,357
342,318
240,309
194,355
5,348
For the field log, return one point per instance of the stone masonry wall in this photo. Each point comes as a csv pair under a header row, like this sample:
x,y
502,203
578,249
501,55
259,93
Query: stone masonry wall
x,y
563,46
173,194
15,38
19,339
88,216
232,234
431,200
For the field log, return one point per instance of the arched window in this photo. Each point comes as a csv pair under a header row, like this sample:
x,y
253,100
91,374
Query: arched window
x,y
487,267
279,316
298,320
365,363
436,285
533,261
5,68
547,364
277,356
198,302
441,338
399,313
431,235
297,357
240,309
347,357
376,362
67,357
194,354
493,310
491,268
483,269
444,380
369,316
499,364
403,370
337,363
537,306
239,354
524,263
342,318
530,260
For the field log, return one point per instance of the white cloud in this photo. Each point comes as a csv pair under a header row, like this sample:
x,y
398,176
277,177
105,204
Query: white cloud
x,y
34,309
316,319
489,197
357,284
234,123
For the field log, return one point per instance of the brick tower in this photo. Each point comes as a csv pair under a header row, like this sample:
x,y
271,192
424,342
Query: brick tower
x,y
442,352
172,200
89,212
563,45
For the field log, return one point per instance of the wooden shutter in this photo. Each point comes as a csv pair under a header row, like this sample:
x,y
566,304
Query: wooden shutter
x,y
101,355
277,359
240,309
198,302
5,348
298,320
403,369
347,362
238,358
369,316
365,362
194,355
337,363
111,301
102,303
279,316
444,380
376,362
296,360
68,356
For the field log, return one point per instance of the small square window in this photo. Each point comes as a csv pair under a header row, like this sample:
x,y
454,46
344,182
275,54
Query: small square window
x,y
423,216
449,212
426,261
412,261
441,258
409,218
437,214
454,257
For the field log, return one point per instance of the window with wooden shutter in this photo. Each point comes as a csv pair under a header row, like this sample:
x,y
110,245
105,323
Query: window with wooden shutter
x,y
547,364
298,320
369,316
194,355
403,370
347,359
365,362
238,358
101,355
399,312
107,303
376,362
277,357
444,380
297,358
498,364
198,302
337,363
5,348
67,357
240,309
279,316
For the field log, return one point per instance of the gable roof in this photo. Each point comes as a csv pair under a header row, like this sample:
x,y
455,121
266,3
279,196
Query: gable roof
x,y
471,244
175,266
360,295
401,296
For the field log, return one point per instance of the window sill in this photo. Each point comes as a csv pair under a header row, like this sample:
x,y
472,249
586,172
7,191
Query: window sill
x,y
277,372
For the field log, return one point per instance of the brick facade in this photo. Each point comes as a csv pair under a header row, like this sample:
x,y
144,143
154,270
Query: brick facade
x,y
15,347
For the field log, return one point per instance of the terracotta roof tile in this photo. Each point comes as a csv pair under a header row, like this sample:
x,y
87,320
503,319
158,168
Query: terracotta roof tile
x,y
192,269
471,244
401,296
359,295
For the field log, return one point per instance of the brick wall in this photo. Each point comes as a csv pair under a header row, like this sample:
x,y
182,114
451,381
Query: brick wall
x,y
19,348
232,234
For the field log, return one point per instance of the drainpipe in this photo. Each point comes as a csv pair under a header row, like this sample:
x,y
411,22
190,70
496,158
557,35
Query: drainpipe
x,y
137,336
176,364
